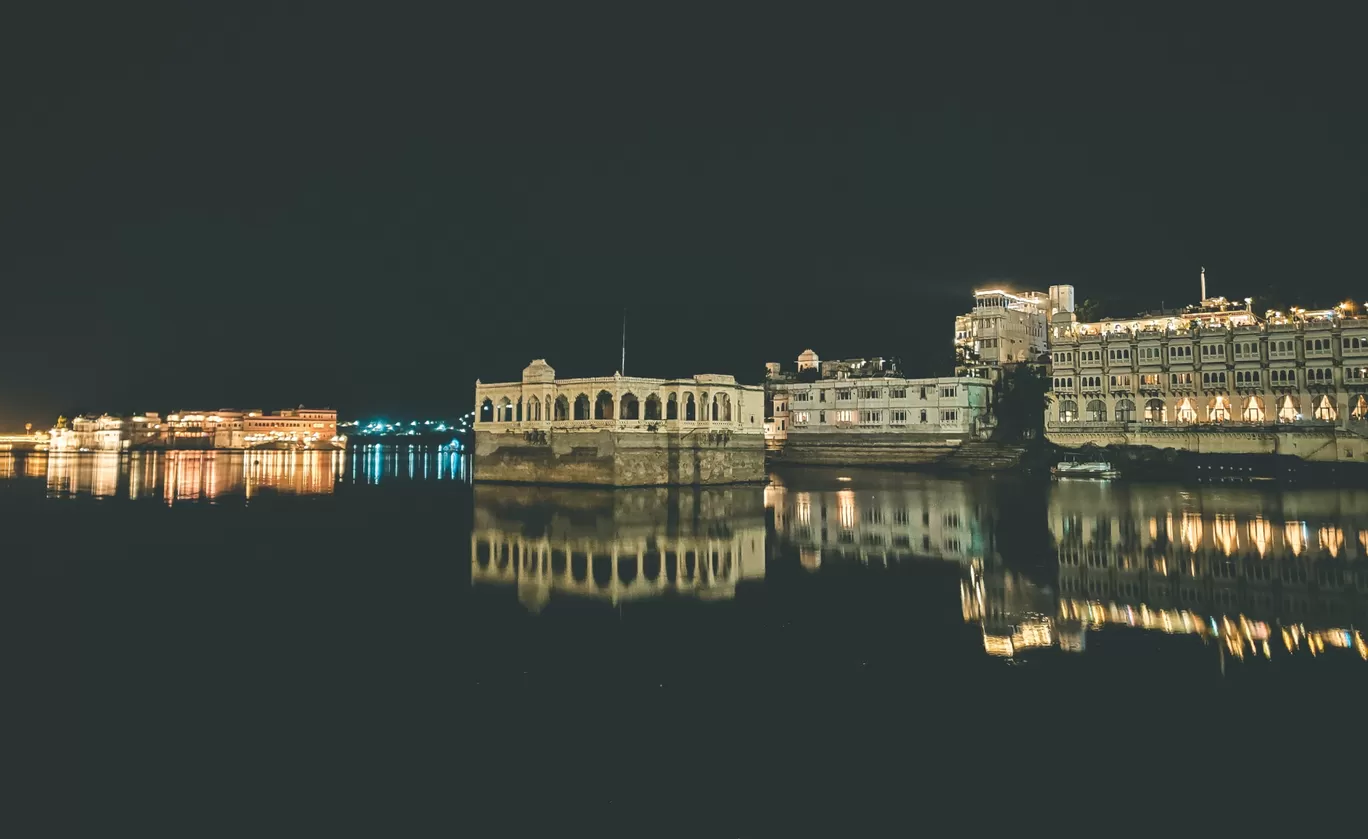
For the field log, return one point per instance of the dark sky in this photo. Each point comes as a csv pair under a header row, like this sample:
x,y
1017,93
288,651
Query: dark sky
x,y
219,204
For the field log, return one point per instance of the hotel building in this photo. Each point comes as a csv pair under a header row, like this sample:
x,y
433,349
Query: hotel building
x,y
861,404
1287,383
221,429
1006,328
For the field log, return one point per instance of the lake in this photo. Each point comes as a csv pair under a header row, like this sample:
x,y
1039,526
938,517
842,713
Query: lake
x,y
360,636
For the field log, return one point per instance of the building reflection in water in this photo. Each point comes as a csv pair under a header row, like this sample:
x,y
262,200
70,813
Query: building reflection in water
x,y
617,545
377,462
1254,571
178,476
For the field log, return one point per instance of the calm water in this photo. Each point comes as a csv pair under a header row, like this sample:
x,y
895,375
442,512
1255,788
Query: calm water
x,y
355,636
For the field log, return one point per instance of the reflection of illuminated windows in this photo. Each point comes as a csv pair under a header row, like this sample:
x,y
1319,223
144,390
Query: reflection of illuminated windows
x,y
845,500
1226,534
803,507
1192,530
1331,540
1295,532
1261,534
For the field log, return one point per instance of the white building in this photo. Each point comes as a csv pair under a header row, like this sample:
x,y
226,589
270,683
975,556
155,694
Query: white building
x,y
1006,328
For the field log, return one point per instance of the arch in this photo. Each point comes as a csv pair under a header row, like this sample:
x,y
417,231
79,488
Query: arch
x,y
1185,412
672,407
505,413
562,408
726,408
487,410
1218,409
519,410
534,408
1097,411
603,405
546,412
1068,411
714,409
1253,409
652,407
631,408
1125,411
1289,408
690,413
582,410
1325,409
1156,411
1360,409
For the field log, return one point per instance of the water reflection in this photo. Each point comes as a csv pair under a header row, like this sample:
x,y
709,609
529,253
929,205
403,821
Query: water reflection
x,y
1256,572
378,463
617,545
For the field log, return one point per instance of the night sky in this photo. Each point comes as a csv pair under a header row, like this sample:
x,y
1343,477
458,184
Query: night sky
x,y
209,205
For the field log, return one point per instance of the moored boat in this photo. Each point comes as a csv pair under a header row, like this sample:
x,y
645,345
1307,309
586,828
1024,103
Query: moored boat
x,y
1074,467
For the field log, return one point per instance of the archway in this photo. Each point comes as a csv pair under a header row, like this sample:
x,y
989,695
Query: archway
x,y
1218,409
534,409
690,413
487,411
1185,412
714,409
1068,411
546,412
672,407
1253,410
652,407
1289,410
603,405
631,408
1125,411
518,415
505,410
1360,409
562,408
1097,411
1156,411
582,407
1325,409
726,408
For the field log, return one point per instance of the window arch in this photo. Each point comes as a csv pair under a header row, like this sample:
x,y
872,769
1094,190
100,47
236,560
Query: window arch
x,y
1097,411
714,409
1325,409
652,407
726,408
690,411
546,412
1289,408
672,407
562,408
487,410
1360,409
631,408
1156,411
582,410
1253,410
1185,412
603,405
534,408
1125,411
1218,409
1068,411
505,413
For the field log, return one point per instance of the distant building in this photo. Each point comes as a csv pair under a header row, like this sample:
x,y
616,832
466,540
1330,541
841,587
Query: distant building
x,y
221,429
1007,328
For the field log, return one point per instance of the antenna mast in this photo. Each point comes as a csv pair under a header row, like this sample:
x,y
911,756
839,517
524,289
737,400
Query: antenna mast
x,y
1200,301
623,368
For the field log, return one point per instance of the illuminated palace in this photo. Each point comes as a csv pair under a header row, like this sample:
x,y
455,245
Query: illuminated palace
x,y
617,545
223,429
1006,328
618,430
864,411
1214,377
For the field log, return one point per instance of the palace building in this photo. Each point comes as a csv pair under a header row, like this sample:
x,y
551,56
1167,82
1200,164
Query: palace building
x,y
1287,382
619,430
1006,328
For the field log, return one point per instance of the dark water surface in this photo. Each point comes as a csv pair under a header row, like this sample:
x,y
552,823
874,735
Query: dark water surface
x,y
281,644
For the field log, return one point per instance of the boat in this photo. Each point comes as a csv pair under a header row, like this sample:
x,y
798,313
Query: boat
x,y
1076,467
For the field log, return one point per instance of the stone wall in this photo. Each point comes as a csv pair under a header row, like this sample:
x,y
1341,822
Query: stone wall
x,y
1326,444
604,457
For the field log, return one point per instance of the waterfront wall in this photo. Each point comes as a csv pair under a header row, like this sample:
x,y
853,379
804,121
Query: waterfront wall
x,y
898,450
1316,444
613,457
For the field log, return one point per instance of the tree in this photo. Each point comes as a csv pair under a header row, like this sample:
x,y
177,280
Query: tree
x,y
1020,397
1088,311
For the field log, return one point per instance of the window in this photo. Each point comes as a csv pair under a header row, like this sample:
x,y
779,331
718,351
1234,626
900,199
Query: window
x,y
1355,374
1317,346
949,416
923,416
821,396
845,416
1150,354
1118,354
1063,357
923,393
897,393
1247,349
1068,411
1320,375
1180,353
821,417
800,418
1090,356
1282,378
1123,382
869,393
1149,380
1091,382
1354,343
1180,380
1213,351
947,393
1282,349
844,392
897,417
871,417
1246,378
802,396
1063,382
1214,379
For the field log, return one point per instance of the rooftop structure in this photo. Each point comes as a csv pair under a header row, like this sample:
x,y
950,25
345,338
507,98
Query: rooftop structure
x,y
1006,327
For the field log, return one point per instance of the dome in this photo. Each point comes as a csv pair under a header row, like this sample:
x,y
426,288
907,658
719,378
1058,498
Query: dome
x,y
539,371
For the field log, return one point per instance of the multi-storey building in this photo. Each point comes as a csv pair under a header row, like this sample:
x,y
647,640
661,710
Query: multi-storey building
x,y
865,403
1214,367
1006,328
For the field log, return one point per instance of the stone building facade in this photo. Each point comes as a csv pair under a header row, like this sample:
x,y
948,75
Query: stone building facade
x,y
1215,378
619,430
1006,328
